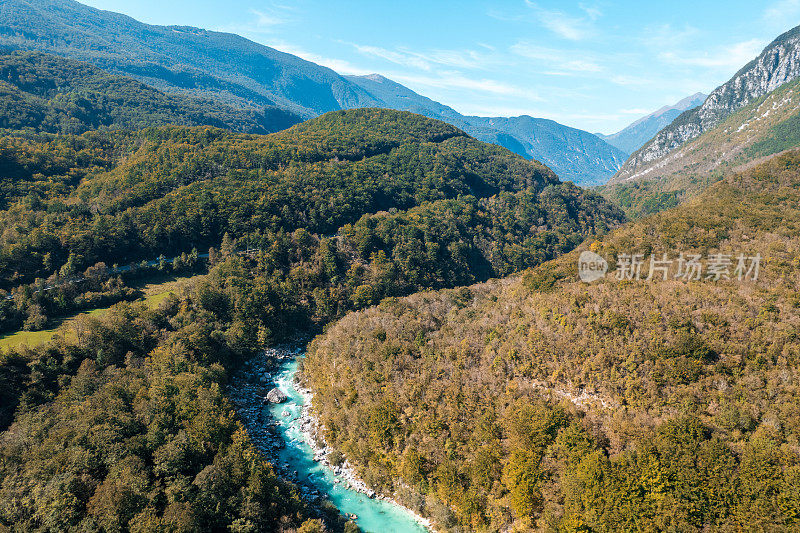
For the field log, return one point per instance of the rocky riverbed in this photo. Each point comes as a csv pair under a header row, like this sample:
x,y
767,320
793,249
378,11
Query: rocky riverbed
x,y
276,411
250,389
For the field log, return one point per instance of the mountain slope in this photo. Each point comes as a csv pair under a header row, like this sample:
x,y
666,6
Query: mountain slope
x,y
396,96
188,60
776,65
634,136
761,129
542,402
573,154
46,93
320,175
245,74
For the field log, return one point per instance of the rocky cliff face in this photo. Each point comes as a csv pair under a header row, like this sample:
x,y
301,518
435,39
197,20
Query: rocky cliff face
x,y
776,65
638,133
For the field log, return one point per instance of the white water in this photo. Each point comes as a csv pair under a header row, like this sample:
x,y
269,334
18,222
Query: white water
x,y
374,515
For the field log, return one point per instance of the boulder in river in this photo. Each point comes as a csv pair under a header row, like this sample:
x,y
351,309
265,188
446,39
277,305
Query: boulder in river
x,y
276,396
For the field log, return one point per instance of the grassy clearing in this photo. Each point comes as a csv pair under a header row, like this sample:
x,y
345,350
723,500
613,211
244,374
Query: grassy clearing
x,y
155,291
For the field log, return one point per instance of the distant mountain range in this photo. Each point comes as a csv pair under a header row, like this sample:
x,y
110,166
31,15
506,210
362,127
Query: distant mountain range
x,y
245,74
639,132
573,154
777,64
189,60
770,125
46,93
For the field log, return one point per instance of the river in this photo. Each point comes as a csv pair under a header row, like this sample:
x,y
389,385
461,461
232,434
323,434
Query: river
x,y
374,515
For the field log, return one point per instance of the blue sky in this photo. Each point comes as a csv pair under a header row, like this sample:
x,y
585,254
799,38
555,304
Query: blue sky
x,y
593,65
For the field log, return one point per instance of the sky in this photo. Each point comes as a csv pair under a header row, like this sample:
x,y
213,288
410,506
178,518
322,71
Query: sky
x,y
597,66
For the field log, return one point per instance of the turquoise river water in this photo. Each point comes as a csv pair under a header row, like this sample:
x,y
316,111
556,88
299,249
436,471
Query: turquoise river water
x,y
374,515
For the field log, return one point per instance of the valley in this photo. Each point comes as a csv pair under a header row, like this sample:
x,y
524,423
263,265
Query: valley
x,y
247,290
291,445
690,366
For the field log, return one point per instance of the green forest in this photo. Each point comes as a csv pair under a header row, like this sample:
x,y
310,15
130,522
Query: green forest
x,y
457,362
344,210
122,422
541,402
45,93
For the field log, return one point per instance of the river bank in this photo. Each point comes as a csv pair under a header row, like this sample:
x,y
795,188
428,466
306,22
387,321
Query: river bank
x,y
288,435
309,426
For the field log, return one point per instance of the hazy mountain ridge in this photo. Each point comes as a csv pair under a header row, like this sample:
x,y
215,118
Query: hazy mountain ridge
x,y
246,74
777,64
635,135
46,93
176,58
574,154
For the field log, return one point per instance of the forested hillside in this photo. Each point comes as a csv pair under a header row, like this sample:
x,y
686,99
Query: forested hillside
x,y
45,93
127,428
767,126
539,401
352,206
573,154
122,423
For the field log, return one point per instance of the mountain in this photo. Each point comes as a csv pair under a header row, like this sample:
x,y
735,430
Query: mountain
x,y
178,59
127,417
507,212
765,127
573,154
777,64
46,93
396,96
540,402
242,73
634,136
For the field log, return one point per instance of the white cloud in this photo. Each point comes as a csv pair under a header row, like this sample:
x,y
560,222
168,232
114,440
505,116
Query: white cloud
x,y
733,56
558,62
503,16
594,117
262,22
636,111
468,59
578,65
593,12
405,58
564,25
667,37
339,65
781,13
465,59
626,80
454,80
483,110
267,20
